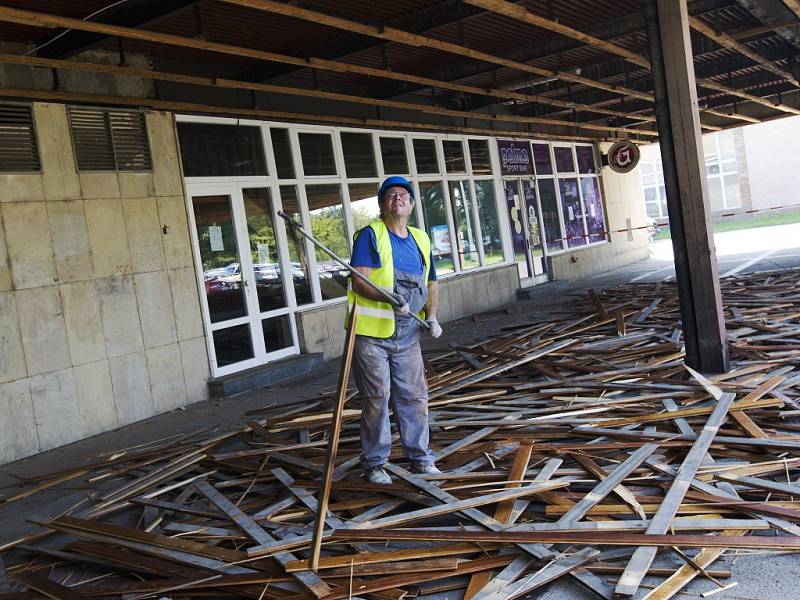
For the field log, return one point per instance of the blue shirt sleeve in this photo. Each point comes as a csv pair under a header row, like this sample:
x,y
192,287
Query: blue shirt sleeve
x,y
365,250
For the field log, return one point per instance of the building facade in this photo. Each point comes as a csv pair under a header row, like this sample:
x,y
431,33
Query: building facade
x,y
142,253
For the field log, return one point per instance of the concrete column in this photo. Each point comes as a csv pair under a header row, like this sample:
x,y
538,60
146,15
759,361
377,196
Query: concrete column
x,y
684,178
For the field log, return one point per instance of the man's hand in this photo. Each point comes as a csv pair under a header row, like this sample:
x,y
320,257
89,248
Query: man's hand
x,y
435,329
401,306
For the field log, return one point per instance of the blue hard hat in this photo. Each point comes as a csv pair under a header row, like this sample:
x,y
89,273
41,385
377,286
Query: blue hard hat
x,y
393,181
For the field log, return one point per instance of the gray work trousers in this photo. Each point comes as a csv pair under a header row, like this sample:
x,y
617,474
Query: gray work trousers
x,y
389,373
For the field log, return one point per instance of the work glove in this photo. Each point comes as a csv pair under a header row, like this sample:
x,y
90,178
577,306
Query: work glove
x,y
435,329
401,306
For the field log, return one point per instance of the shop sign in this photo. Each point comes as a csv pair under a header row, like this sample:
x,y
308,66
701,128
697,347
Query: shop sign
x,y
623,157
515,157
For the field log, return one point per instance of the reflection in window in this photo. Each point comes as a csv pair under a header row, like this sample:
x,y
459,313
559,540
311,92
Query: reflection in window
x,y
393,153
432,199
232,345
479,157
283,153
585,156
549,204
425,156
593,207
316,150
364,204
454,156
466,228
263,249
359,154
571,210
564,161
277,333
219,255
541,158
301,279
490,228
209,150
328,226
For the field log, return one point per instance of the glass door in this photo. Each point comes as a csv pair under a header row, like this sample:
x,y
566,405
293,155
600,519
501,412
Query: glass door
x,y
247,304
519,236
533,228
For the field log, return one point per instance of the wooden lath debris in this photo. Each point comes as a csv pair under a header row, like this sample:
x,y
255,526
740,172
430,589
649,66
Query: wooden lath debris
x,y
577,446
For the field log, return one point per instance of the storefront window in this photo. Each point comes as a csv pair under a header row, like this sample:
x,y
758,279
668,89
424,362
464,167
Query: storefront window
x,y
466,228
552,225
282,150
572,213
364,204
393,153
425,156
263,249
586,164
301,272
479,157
541,159
593,208
359,154
211,150
433,208
316,150
564,160
490,228
454,156
328,226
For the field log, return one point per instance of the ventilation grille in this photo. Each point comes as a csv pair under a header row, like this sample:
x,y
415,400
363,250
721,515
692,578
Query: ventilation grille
x,y
18,148
110,140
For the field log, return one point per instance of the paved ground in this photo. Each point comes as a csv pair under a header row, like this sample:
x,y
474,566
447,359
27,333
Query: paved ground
x,y
758,577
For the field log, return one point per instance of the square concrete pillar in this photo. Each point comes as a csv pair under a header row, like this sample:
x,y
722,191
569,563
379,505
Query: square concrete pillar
x,y
55,404
30,250
12,365
165,368
196,368
44,333
186,301
21,188
167,175
73,254
95,397
108,237
155,308
59,175
120,315
136,185
81,305
144,234
131,385
177,244
95,186
18,436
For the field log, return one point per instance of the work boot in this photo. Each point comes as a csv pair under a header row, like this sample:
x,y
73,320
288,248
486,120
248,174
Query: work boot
x,y
377,474
424,469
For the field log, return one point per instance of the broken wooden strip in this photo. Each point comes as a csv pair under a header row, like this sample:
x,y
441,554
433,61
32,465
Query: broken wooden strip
x,y
645,540
47,587
643,557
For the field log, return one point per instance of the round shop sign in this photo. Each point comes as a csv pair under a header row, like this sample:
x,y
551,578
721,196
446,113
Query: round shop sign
x,y
623,157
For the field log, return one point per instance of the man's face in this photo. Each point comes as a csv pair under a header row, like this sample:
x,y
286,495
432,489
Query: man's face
x,y
397,202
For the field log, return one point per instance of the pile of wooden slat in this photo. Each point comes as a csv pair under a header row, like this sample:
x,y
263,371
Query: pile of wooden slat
x,y
574,447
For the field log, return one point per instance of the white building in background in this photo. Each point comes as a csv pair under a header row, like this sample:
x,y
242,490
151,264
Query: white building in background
x,y
751,168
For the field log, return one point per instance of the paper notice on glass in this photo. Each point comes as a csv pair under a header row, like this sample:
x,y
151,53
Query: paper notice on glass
x,y
592,210
570,213
215,237
263,253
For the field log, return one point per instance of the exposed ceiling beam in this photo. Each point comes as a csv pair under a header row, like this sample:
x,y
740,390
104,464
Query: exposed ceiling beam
x,y
774,13
793,5
134,13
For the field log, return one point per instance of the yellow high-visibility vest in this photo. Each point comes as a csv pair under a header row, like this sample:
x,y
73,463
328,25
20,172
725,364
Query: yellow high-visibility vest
x,y
375,318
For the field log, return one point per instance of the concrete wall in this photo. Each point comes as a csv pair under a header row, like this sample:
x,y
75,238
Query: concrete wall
x,y
321,329
100,321
624,199
773,162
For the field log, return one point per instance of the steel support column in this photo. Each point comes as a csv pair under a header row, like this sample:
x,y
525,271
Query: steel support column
x,y
684,178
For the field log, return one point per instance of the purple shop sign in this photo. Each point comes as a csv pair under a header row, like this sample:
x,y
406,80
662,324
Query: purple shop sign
x,y
515,157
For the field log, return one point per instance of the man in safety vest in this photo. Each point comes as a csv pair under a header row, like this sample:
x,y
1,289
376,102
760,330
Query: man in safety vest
x,y
387,357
